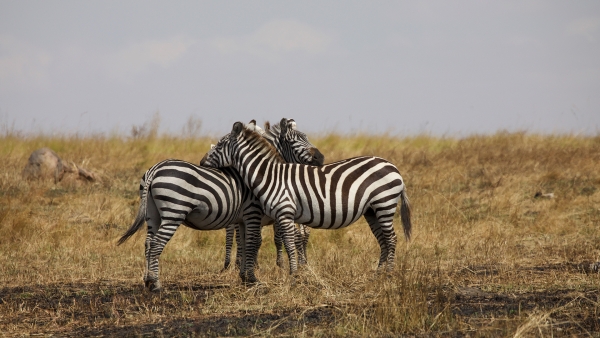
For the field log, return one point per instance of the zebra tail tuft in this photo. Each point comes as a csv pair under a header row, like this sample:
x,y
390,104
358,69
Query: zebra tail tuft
x,y
141,216
405,214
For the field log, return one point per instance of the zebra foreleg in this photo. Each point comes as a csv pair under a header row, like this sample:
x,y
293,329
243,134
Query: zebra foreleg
x,y
277,238
157,244
302,242
230,232
238,248
286,227
241,250
299,242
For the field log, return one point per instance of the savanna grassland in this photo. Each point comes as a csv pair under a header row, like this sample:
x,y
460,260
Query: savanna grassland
x,y
487,257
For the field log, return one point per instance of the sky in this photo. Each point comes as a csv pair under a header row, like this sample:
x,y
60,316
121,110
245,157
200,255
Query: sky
x,y
447,68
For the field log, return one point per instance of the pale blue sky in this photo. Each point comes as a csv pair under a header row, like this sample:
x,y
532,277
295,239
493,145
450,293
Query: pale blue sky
x,y
443,67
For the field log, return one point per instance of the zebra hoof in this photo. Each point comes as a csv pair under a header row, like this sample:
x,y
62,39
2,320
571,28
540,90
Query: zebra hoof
x,y
249,280
225,268
153,286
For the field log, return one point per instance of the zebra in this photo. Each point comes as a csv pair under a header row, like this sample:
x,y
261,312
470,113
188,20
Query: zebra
x,y
177,192
282,142
328,197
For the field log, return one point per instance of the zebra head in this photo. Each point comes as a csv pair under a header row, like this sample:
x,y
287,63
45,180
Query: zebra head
x,y
293,144
289,143
219,155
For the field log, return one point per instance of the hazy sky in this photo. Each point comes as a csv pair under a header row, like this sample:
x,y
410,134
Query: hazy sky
x,y
404,67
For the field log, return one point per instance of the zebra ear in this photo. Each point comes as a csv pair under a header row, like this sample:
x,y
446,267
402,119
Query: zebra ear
x,y
267,126
283,125
251,125
237,128
292,124
212,146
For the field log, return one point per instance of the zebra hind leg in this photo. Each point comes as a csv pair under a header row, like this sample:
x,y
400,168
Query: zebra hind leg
x,y
149,238
250,241
385,218
157,244
377,230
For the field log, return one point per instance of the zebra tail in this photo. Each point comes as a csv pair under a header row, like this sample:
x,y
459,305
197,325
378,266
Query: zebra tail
x,y
141,216
405,214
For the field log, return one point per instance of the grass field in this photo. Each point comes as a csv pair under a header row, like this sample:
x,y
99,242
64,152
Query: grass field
x,y
487,258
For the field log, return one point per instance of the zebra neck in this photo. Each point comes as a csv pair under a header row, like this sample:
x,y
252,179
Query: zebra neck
x,y
274,141
254,166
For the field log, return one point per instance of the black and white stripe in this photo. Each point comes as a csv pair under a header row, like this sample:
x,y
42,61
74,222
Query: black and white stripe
x,y
291,146
328,197
175,192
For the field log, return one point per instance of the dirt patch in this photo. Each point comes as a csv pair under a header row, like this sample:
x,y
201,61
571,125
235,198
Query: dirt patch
x,y
106,309
223,325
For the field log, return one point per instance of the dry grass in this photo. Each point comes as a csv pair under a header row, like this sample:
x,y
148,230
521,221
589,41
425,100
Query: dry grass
x,y
486,259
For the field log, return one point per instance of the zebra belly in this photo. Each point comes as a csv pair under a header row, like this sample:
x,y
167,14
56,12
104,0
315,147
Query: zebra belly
x,y
318,223
197,220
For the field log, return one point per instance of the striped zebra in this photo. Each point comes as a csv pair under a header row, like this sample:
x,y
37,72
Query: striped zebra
x,y
328,197
177,192
285,144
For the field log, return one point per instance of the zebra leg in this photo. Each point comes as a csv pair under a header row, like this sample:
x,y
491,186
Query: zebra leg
x,y
241,251
153,221
157,244
385,217
230,232
305,241
259,239
278,244
286,227
299,242
149,237
238,247
304,233
250,241
376,229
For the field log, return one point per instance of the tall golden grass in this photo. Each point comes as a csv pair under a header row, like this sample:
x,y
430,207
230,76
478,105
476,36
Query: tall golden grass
x,y
487,258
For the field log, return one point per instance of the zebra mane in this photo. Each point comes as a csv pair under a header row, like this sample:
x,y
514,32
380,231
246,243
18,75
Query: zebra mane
x,y
272,132
256,138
